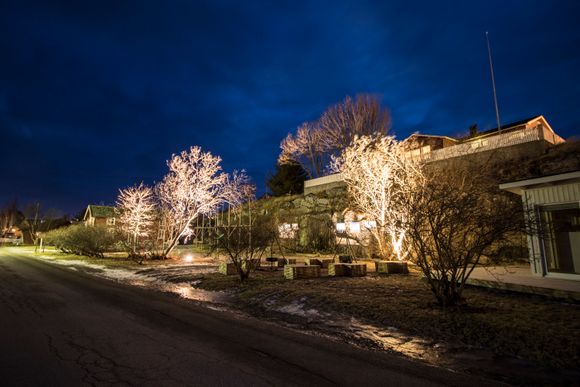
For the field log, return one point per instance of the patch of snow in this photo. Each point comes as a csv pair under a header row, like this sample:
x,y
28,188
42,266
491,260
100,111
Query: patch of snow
x,y
297,308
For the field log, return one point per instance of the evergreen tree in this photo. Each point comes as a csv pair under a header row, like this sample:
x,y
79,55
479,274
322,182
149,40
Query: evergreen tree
x,y
288,179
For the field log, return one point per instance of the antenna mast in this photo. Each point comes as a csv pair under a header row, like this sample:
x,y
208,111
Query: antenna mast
x,y
493,82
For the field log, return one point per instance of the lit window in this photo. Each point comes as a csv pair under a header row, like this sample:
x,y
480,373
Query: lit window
x,y
341,227
354,227
110,221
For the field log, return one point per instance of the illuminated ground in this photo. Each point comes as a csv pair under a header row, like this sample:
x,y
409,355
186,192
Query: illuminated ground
x,y
60,326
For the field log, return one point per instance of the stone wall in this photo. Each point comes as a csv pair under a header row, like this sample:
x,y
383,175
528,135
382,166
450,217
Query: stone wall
x,y
314,213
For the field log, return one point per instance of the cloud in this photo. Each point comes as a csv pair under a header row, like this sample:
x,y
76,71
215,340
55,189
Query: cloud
x,y
98,95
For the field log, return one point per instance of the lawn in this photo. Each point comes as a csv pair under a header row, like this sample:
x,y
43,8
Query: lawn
x,y
118,259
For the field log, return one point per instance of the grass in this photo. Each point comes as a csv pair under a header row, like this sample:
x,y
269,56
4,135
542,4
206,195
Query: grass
x,y
532,327
111,260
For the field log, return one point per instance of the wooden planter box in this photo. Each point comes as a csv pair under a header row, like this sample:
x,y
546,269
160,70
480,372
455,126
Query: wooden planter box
x,y
355,269
228,268
337,269
312,261
391,267
322,262
345,259
347,270
301,271
285,261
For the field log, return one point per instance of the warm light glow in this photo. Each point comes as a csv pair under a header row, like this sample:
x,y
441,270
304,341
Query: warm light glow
x,y
368,224
188,258
354,227
379,178
288,230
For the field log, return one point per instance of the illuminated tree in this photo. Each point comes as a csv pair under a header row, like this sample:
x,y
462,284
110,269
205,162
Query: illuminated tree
x,y
379,179
315,143
307,148
194,186
137,206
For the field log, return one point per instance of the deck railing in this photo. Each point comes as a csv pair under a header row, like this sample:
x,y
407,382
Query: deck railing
x,y
481,144
491,142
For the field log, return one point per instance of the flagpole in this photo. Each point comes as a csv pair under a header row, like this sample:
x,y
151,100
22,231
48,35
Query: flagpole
x,y
493,82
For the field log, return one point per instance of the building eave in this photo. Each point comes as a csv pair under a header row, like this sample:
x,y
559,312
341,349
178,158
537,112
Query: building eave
x,y
518,187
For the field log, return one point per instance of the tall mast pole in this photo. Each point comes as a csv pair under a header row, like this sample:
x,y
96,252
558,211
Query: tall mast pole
x,y
493,82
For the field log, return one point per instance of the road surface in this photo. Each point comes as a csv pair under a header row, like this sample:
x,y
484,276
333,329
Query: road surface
x,y
65,328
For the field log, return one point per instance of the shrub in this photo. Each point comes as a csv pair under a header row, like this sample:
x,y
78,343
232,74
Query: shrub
x,y
81,240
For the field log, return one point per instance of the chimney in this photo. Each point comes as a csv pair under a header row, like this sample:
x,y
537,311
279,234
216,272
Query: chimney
x,y
473,130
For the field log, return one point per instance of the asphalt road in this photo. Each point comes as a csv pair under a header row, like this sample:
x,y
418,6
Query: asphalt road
x,y
60,327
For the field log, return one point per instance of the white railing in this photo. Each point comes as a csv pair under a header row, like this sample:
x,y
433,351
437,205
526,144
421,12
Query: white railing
x,y
482,144
492,142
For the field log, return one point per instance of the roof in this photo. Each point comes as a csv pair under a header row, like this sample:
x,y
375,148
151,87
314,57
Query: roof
x,y
417,134
100,211
519,186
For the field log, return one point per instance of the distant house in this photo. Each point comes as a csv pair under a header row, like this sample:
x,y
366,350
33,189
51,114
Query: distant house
x,y
100,216
12,235
525,138
555,201
522,138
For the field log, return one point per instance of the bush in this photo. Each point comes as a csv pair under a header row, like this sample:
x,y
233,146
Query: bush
x,y
82,240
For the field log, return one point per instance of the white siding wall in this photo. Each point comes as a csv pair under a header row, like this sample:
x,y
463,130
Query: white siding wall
x,y
549,195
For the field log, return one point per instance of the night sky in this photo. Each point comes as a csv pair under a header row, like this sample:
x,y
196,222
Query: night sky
x,y
95,96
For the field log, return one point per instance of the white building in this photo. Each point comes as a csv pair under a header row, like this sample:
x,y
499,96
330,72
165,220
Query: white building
x,y
555,201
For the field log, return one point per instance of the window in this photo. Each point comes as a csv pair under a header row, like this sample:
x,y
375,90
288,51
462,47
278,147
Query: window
x,y
561,238
354,227
110,221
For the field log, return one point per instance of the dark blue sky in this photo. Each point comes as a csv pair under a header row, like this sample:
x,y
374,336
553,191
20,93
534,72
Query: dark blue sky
x,y
95,96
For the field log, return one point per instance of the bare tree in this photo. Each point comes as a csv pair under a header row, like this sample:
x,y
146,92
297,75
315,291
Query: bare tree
x,y
457,218
307,148
137,208
379,178
38,220
362,116
315,143
247,237
9,216
195,185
